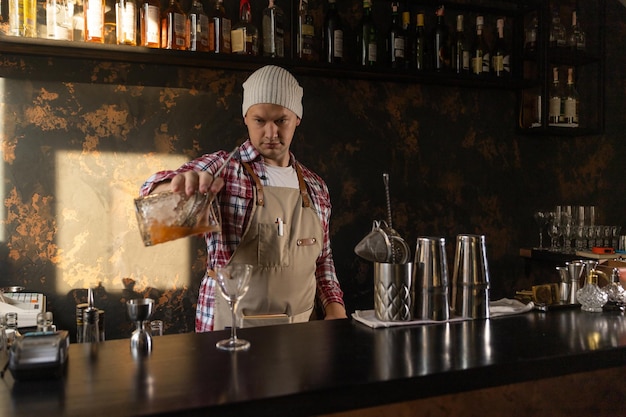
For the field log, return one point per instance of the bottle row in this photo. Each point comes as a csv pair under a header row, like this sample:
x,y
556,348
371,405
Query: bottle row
x,y
563,102
123,22
408,40
572,36
410,45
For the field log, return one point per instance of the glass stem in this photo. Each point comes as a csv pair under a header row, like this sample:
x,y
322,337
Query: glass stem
x,y
233,332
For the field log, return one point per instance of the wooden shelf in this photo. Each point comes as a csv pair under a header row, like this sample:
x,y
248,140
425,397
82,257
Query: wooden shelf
x,y
143,55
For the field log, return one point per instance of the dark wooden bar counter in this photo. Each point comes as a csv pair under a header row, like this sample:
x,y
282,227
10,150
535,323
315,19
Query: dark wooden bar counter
x,y
322,367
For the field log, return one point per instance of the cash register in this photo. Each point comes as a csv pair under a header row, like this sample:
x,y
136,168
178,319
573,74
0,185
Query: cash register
x,y
26,304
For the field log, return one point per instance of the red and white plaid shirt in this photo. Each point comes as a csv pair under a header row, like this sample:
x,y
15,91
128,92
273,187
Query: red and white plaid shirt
x,y
236,208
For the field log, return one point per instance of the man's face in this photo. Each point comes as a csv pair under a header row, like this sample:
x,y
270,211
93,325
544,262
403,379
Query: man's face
x,y
271,128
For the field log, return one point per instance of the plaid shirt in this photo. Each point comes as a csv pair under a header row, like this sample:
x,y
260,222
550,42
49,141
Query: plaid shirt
x,y
236,208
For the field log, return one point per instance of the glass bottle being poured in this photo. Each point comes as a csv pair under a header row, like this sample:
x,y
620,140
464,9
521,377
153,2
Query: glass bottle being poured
x,y
91,316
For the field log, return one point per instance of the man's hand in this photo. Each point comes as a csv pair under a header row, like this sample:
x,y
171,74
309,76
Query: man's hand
x,y
335,311
190,182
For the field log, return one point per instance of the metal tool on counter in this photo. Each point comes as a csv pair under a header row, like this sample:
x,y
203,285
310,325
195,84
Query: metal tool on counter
x,y
392,291
430,280
564,283
576,271
389,217
383,244
139,311
470,279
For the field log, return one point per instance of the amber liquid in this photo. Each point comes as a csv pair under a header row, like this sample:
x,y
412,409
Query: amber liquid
x,y
174,27
126,22
150,24
160,233
219,30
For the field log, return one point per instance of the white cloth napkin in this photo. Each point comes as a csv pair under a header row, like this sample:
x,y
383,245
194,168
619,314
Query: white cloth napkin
x,y
498,308
507,307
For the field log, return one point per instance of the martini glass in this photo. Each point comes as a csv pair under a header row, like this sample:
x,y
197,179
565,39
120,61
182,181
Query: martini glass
x,y
233,280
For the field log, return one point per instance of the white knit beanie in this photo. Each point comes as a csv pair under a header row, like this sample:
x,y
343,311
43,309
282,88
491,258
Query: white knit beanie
x,y
272,85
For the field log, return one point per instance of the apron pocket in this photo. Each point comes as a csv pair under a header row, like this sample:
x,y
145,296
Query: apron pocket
x,y
273,249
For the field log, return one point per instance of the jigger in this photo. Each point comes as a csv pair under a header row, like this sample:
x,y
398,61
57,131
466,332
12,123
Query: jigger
x,y
140,310
576,271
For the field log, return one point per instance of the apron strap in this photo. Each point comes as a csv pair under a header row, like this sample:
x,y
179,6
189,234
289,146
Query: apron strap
x,y
306,202
257,182
305,196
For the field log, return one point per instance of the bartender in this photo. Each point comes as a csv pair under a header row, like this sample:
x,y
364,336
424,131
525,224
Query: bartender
x,y
275,214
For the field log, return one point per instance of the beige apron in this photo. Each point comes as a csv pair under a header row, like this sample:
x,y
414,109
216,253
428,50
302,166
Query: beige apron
x,y
282,240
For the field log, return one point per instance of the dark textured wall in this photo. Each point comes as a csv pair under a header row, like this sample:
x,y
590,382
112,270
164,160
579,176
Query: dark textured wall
x,y
455,161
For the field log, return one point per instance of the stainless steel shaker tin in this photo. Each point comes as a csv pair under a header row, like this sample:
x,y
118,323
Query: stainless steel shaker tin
x,y
470,279
392,291
430,280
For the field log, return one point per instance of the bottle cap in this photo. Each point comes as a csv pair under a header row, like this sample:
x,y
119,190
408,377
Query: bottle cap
x,y
90,316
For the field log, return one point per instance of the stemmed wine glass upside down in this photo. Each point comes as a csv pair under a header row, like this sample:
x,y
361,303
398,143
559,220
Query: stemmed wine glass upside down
x,y
541,218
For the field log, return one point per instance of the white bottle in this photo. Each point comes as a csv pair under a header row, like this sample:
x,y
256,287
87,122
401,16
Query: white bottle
x,y
554,108
570,101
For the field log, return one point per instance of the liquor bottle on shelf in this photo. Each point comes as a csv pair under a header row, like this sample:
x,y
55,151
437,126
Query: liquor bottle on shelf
x,y
30,18
480,50
59,20
110,22
571,101
305,36
408,42
273,24
333,35
530,35
244,36
557,30
174,27
219,30
16,18
500,57
441,49
419,49
461,54
555,115
367,36
395,40
93,11
5,21
576,37
536,107
150,23
126,22
197,28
